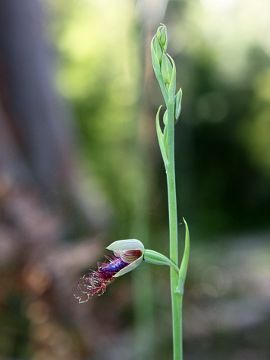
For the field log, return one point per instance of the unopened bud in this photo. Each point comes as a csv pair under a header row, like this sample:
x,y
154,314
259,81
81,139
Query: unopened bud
x,y
166,69
162,37
157,49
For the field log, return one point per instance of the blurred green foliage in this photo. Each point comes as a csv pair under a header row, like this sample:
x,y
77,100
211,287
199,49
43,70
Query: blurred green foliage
x,y
99,76
223,146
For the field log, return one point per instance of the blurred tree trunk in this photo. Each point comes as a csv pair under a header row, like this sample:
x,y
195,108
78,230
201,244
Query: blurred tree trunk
x,y
35,114
35,118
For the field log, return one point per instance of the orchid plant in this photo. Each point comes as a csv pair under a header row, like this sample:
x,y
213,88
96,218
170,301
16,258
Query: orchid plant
x,y
130,253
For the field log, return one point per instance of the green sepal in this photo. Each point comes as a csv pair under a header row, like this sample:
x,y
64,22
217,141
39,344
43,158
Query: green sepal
x,y
156,258
178,101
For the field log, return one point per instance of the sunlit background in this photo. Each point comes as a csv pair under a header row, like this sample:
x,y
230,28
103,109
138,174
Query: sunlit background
x,y
80,167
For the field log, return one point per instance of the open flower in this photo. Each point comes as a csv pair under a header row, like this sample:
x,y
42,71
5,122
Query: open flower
x,y
128,254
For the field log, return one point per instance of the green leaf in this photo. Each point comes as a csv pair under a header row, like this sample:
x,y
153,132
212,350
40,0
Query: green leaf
x,y
184,262
161,139
165,131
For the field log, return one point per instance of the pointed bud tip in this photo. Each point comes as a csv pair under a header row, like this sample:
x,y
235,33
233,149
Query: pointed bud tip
x,y
162,36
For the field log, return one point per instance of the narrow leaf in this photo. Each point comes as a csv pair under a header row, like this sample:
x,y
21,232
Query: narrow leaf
x,y
184,262
161,138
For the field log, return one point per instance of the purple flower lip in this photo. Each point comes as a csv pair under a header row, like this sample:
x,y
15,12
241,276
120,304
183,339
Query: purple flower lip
x,y
115,264
95,282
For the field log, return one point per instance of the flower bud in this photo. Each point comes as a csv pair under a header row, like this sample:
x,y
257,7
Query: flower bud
x,y
166,69
162,36
157,50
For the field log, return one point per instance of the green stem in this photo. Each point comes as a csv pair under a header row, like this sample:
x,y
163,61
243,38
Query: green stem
x,y
176,297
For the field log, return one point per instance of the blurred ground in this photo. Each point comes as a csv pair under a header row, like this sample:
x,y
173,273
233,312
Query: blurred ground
x,y
228,308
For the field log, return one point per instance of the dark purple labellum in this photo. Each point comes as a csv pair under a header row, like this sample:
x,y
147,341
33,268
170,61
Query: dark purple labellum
x,y
109,269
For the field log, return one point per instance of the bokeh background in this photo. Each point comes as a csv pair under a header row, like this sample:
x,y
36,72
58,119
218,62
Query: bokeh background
x,y
80,167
